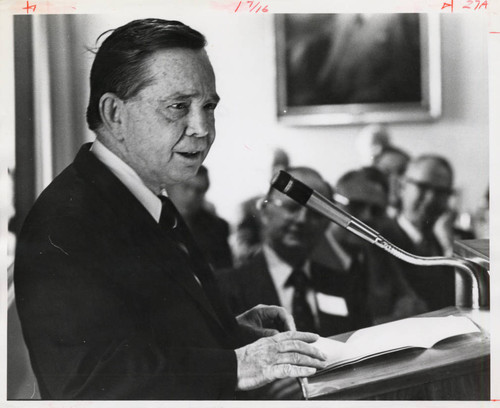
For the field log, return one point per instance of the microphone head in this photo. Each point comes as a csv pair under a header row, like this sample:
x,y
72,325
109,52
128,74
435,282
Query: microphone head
x,y
293,188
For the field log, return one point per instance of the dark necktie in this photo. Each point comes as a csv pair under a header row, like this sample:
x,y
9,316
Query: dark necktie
x,y
171,222
301,310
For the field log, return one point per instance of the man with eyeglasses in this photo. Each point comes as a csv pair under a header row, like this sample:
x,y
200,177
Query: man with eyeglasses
x,y
321,299
424,192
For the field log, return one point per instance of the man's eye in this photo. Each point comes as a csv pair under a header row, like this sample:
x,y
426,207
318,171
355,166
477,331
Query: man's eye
x,y
211,106
179,106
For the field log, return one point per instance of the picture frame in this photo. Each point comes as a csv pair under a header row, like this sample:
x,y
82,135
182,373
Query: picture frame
x,y
347,69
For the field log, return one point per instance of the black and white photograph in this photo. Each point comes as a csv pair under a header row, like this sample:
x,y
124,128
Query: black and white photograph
x,y
235,202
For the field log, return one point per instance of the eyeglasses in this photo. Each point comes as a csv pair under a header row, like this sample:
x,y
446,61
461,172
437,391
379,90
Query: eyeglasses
x,y
357,207
424,187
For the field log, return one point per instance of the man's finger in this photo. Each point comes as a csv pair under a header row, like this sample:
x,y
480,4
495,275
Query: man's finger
x,y
288,370
288,322
267,332
298,346
298,359
296,335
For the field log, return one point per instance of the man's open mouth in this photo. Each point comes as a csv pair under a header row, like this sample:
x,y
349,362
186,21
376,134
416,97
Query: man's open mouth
x,y
190,155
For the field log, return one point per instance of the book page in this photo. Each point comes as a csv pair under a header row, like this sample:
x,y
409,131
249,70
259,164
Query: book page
x,y
412,332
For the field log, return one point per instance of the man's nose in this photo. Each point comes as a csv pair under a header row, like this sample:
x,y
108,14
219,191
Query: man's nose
x,y
198,123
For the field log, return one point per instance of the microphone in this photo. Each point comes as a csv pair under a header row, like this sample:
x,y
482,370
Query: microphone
x,y
313,200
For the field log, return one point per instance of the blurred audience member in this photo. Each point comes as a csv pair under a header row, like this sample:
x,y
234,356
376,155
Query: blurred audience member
x,y
393,162
424,192
321,299
363,193
481,219
210,231
372,141
246,241
282,271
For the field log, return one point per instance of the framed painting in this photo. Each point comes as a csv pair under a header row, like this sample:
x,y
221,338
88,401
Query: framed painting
x,y
341,69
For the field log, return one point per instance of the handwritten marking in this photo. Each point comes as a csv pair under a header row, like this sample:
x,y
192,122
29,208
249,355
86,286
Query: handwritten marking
x,y
474,5
28,7
252,6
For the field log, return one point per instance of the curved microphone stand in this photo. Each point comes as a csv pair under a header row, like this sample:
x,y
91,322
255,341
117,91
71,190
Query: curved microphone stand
x,y
474,274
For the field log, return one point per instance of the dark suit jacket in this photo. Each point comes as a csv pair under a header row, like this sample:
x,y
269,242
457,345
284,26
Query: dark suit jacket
x,y
211,234
388,294
251,284
435,285
108,303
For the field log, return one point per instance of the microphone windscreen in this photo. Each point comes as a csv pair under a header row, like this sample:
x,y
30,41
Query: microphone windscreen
x,y
291,187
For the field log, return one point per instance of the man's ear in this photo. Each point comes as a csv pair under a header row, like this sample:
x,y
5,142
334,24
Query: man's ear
x,y
111,108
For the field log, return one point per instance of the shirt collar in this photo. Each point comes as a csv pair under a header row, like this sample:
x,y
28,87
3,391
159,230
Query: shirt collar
x,y
280,271
129,178
412,232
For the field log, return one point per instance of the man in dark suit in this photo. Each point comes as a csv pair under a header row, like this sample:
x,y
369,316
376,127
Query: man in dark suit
x,y
321,299
424,192
210,232
115,298
363,193
332,298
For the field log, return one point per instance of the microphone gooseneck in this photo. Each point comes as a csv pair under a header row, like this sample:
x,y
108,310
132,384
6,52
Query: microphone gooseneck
x,y
306,196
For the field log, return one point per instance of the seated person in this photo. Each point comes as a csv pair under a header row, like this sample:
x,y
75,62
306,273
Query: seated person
x,y
246,239
321,299
210,232
392,161
363,193
424,193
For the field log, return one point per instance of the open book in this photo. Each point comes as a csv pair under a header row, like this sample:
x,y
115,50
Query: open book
x,y
423,332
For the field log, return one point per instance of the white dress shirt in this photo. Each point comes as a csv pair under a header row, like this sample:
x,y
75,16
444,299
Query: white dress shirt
x,y
415,235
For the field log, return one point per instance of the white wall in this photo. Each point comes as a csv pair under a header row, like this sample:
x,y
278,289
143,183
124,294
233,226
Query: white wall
x,y
241,48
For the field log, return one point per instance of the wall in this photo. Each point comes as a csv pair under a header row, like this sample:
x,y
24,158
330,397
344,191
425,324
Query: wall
x,y
241,48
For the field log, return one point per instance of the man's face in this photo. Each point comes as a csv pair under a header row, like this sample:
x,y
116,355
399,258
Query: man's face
x,y
425,190
367,201
289,228
169,126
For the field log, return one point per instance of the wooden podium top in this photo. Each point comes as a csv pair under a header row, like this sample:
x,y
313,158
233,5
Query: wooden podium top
x,y
453,357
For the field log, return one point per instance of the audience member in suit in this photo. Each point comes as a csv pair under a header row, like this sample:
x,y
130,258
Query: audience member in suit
x,y
247,238
290,233
114,297
424,193
210,232
392,161
321,299
363,194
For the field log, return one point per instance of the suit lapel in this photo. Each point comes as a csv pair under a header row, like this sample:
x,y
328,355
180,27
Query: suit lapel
x,y
260,286
162,250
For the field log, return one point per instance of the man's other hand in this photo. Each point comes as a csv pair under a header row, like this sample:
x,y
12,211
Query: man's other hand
x,y
267,320
283,355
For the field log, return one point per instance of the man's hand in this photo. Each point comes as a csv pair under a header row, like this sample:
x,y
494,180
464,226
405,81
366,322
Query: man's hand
x,y
267,320
283,355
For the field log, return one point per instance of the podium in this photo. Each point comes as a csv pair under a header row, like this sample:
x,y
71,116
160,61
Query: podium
x,y
457,368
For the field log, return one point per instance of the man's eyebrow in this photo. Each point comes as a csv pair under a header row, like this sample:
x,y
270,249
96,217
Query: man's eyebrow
x,y
178,95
